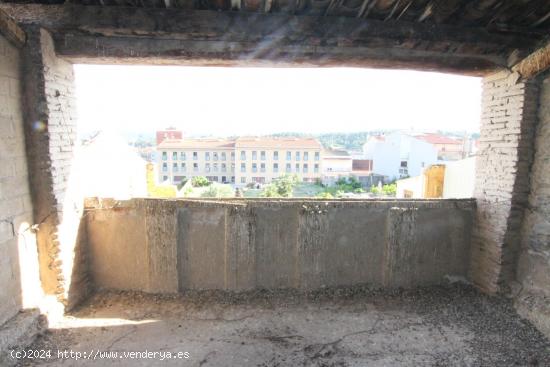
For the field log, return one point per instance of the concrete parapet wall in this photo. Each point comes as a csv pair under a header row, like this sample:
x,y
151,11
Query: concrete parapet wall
x,y
166,246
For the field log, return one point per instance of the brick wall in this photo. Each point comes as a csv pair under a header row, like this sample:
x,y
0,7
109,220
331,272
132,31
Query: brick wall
x,y
15,200
50,119
533,300
508,121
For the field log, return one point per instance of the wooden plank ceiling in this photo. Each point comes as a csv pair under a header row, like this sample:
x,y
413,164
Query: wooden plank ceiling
x,y
506,16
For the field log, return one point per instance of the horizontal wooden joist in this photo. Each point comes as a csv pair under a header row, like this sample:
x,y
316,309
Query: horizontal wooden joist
x,y
535,63
88,33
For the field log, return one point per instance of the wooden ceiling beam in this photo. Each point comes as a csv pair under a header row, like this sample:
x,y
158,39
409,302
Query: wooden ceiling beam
x,y
97,32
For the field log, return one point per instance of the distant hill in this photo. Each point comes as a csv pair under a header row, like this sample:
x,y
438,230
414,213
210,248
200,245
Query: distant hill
x,y
348,141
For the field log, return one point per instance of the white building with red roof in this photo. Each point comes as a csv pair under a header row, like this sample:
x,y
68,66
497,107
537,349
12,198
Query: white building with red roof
x,y
398,155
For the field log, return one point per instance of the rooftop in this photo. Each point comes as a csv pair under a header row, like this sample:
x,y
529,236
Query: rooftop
x,y
241,142
438,139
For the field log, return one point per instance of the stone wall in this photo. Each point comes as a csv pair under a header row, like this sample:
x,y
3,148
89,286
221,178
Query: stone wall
x,y
50,120
165,246
533,300
15,200
508,121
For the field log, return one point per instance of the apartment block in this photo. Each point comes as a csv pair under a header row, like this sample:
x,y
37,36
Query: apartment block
x,y
239,161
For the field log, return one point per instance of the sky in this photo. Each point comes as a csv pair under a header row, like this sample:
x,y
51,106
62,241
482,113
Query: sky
x,y
256,101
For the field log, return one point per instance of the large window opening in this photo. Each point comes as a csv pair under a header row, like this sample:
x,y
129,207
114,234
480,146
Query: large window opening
x,y
159,131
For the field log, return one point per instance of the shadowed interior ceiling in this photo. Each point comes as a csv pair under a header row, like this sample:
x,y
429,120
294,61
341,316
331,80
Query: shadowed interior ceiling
x,y
472,37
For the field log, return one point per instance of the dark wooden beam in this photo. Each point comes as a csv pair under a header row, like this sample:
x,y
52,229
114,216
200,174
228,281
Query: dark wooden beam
x,y
10,30
235,38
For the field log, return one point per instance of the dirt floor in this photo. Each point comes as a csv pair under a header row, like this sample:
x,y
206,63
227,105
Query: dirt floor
x,y
443,326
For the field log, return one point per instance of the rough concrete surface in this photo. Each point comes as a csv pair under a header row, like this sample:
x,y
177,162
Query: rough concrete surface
x,y
166,246
438,326
19,332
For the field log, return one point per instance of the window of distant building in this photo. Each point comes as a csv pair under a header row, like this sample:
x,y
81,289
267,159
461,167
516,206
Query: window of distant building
x,y
232,156
195,167
224,167
316,168
195,156
207,167
215,167
288,167
207,156
288,156
243,167
254,155
243,155
305,167
297,167
262,155
243,179
275,167
297,155
232,167
275,155
306,156
404,164
175,167
317,156
232,179
164,156
164,167
174,156
182,156
183,167
262,167
215,156
254,167
223,156
164,178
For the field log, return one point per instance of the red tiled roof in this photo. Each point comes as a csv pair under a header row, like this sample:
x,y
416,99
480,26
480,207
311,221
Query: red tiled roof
x,y
197,144
265,142
438,139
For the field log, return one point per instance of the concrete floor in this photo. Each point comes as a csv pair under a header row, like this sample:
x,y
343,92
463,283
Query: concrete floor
x,y
443,326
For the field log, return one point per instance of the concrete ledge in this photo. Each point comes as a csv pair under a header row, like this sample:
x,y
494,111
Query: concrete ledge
x,y
168,246
19,332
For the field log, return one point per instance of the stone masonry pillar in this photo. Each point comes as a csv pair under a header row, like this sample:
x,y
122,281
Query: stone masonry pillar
x,y
50,132
508,121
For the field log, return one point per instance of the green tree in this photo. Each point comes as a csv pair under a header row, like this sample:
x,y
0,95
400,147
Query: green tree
x,y
281,187
389,190
199,181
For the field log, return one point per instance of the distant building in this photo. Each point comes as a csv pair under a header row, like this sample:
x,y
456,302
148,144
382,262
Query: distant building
x,y
398,155
169,133
362,171
447,149
336,164
239,161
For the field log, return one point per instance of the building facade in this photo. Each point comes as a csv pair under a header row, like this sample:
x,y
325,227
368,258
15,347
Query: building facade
x,y
398,155
336,164
239,161
447,149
